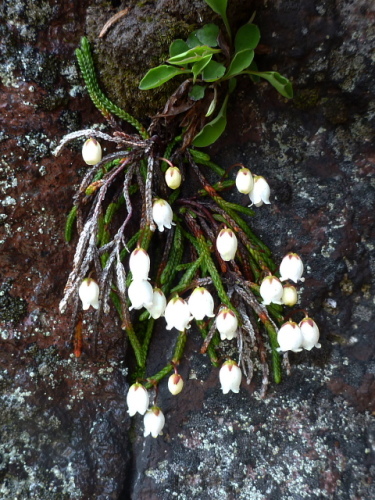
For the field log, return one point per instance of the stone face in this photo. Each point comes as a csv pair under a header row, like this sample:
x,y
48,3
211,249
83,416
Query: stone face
x,y
64,425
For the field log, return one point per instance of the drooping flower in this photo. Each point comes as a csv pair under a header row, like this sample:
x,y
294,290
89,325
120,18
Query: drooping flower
x,y
289,337
226,244
261,191
154,421
201,303
159,303
89,294
230,376
227,324
177,314
139,263
162,214
271,290
310,333
244,181
140,294
290,296
291,268
91,151
175,384
173,177
137,399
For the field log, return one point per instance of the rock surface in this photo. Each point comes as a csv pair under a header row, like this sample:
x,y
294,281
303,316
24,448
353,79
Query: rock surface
x,y
65,430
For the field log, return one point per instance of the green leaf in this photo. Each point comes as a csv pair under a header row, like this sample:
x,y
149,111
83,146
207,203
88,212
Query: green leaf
x,y
199,65
197,92
192,55
220,7
247,37
254,67
281,84
212,130
213,71
208,35
240,61
192,40
159,75
177,47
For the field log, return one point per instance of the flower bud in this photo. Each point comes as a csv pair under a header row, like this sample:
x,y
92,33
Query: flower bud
x,y
159,303
137,399
291,268
271,290
290,297
173,177
244,181
226,244
162,214
139,263
201,303
289,337
175,384
227,324
154,422
230,377
91,151
261,191
310,333
140,294
89,294
177,314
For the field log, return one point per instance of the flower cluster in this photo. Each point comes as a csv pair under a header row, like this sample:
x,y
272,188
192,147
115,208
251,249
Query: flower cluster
x,y
255,186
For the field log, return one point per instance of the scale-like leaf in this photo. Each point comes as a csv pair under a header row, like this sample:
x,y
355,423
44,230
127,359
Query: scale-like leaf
x,y
208,35
159,75
213,71
212,130
178,47
192,55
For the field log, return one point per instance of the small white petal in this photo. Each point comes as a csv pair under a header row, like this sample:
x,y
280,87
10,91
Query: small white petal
x,y
91,151
271,290
139,263
310,333
289,337
230,376
177,314
162,214
201,303
154,421
227,324
291,268
89,294
244,181
175,384
261,191
173,177
226,244
290,296
137,399
159,303
140,294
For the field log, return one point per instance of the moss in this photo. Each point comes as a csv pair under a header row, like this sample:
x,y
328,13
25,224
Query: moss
x,y
335,110
306,99
11,308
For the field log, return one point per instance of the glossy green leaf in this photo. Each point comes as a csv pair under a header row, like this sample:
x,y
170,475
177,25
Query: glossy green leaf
x,y
212,130
247,37
281,84
197,92
193,55
159,75
178,47
192,40
213,71
199,65
240,61
208,35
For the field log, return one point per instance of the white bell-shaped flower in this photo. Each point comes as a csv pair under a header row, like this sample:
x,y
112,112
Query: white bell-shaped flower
x,y
140,294
201,303
261,191
291,268
154,421
139,263
177,314
310,333
89,294
226,244
289,337
159,303
91,151
175,384
230,376
137,399
227,324
173,177
290,296
244,181
162,214
271,290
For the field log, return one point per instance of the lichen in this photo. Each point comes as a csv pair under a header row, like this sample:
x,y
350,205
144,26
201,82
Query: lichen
x,y
11,308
